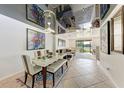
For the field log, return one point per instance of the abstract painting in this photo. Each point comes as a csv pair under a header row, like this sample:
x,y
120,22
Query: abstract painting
x,y
35,14
105,38
35,40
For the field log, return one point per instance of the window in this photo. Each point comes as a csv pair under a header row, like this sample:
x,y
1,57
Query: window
x,y
117,34
118,31
83,45
61,43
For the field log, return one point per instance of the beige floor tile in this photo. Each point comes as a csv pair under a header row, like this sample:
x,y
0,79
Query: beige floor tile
x,y
109,83
60,85
70,83
82,82
101,85
91,80
71,75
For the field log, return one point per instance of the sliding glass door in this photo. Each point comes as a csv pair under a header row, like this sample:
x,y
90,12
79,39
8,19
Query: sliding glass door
x,y
83,45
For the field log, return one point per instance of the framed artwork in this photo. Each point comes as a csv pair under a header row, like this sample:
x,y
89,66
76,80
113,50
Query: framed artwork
x,y
105,37
35,40
35,14
117,26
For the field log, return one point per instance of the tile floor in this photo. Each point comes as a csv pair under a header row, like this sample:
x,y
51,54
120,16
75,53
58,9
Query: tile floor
x,y
83,72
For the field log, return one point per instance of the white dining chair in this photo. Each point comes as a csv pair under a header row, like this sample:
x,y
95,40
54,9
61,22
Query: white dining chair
x,y
30,69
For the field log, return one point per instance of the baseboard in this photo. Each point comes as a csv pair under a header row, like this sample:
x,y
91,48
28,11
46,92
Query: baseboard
x,y
5,77
107,74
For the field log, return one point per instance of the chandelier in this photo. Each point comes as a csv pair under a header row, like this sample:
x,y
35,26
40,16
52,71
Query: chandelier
x,y
50,21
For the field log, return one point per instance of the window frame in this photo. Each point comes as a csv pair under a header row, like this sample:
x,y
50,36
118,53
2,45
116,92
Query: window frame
x,y
119,13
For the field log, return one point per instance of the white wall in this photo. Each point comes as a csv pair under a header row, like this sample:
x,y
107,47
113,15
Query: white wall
x,y
95,37
72,43
114,61
13,26
49,42
13,43
18,11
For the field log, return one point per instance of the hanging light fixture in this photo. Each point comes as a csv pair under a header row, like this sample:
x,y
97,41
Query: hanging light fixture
x,y
50,21
49,30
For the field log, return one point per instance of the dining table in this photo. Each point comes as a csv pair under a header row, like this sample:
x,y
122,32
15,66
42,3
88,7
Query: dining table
x,y
44,62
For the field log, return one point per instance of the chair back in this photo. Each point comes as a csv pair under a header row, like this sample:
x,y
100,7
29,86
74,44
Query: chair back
x,y
27,64
38,54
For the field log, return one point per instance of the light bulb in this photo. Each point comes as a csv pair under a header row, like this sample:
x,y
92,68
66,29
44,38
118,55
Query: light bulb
x,y
49,23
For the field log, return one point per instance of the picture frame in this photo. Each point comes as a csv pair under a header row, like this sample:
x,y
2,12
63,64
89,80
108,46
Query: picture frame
x,y
105,37
35,40
35,14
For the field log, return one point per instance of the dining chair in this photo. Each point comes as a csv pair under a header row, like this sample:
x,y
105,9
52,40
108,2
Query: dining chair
x,y
30,69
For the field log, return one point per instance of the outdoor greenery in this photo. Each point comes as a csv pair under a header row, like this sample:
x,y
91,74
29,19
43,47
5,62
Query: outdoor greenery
x,y
83,46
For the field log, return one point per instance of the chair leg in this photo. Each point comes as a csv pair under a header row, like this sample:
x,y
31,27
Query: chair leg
x,y
53,79
33,80
25,77
62,69
67,64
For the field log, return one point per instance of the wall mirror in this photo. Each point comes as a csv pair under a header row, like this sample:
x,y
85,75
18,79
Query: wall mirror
x,y
61,43
117,28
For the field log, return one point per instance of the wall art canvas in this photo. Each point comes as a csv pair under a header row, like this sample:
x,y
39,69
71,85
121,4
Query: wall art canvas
x,y
105,38
35,14
35,40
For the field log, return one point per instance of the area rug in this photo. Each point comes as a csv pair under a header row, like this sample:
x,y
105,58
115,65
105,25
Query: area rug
x,y
39,80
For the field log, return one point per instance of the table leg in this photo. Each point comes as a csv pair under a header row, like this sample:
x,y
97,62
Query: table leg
x,y
44,73
67,64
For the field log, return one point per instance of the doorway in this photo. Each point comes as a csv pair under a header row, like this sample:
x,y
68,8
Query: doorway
x,y
83,45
